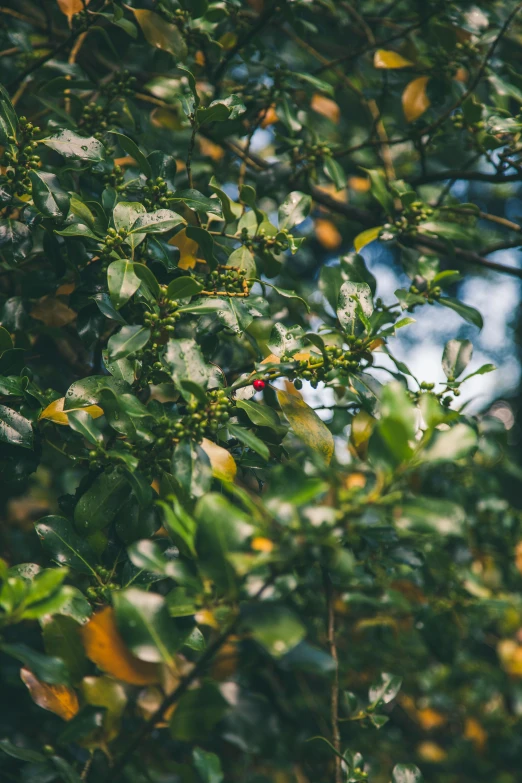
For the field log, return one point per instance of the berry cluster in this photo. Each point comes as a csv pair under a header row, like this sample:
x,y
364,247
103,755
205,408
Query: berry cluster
x,y
318,368
96,119
102,593
113,240
115,179
19,159
229,280
156,194
121,85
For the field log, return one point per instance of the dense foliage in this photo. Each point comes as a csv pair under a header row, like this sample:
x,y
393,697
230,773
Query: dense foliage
x,y
211,571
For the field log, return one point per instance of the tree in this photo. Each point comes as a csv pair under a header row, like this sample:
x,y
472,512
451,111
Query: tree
x,y
230,577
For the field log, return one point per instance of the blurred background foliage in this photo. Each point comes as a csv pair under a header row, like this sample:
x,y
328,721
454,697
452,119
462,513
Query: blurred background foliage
x,y
311,603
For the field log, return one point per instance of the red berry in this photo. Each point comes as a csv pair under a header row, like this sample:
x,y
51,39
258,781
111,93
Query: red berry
x,y
259,385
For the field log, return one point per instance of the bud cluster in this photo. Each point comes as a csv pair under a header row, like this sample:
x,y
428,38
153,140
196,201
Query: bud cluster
x,y
19,159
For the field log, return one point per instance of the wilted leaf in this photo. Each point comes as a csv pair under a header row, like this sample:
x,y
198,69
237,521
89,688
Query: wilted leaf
x,y
104,646
221,460
306,424
55,412
59,699
415,100
386,58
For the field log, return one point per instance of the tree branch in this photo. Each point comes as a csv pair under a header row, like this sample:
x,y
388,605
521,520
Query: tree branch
x,y
334,692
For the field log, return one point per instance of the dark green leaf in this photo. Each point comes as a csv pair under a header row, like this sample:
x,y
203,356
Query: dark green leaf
x,y
71,145
64,545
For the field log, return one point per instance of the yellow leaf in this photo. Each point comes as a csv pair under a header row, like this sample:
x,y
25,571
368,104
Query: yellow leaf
x,y
149,700
518,557
106,692
105,647
187,250
326,106
210,149
269,117
359,184
385,58
206,617
362,428
53,312
355,481
327,234
510,654
430,751
71,7
55,412
221,461
59,699
365,237
159,32
415,100
228,40
225,663
260,544
430,719
271,359
165,118
474,732
306,424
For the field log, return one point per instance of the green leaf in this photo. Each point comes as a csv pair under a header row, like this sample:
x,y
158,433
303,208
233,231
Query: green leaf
x,y
385,688
125,214
160,33
87,391
406,773
315,82
261,415
146,626
61,638
15,240
22,754
192,469
208,766
273,626
222,529
83,423
481,371
469,314
456,357
127,341
157,222
231,210
149,278
179,603
15,429
78,230
45,667
335,172
197,713
351,295
205,242
147,555
127,415
285,340
71,145
193,199
185,361
430,515
379,189
307,425
183,287
180,524
250,440
64,545
396,427
8,119
294,209
132,149
453,444
122,281
98,506
48,196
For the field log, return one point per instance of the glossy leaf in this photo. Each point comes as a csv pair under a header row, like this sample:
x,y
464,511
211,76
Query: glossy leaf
x,y
64,545
59,699
70,145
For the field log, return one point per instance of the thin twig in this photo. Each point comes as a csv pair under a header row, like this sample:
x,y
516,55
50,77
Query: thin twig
x,y
334,691
136,740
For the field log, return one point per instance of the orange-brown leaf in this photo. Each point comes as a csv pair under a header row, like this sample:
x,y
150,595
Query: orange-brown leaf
x,y
71,7
187,250
415,100
327,234
59,699
53,312
105,647
326,106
